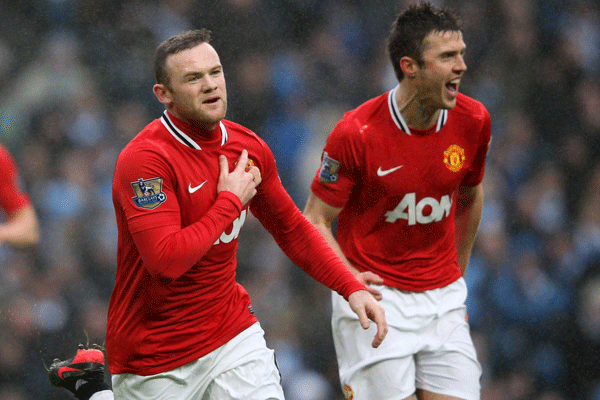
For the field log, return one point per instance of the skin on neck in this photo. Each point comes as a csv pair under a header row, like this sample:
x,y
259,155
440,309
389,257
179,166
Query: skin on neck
x,y
415,112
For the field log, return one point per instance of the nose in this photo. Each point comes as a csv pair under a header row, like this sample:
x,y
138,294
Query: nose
x,y
460,66
209,84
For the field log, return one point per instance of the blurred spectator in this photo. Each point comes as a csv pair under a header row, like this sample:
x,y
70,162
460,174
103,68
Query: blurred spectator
x,y
580,24
252,87
587,229
581,336
55,77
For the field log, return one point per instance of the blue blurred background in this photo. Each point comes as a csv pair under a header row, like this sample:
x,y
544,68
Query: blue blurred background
x,y
76,84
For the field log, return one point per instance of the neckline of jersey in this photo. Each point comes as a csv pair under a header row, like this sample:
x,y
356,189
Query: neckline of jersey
x,y
401,123
193,136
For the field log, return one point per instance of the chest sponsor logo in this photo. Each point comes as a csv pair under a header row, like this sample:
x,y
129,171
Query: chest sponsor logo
x,y
384,172
329,169
235,230
193,189
454,158
427,210
148,193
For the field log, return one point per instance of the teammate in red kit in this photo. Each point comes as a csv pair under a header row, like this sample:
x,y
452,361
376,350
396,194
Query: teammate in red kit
x,y
402,174
179,326
19,228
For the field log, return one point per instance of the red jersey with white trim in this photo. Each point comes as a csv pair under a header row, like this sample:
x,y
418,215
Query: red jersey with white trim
x,y
397,187
175,297
12,198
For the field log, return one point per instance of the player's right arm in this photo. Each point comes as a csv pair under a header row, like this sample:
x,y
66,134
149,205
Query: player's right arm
x,y
167,250
322,215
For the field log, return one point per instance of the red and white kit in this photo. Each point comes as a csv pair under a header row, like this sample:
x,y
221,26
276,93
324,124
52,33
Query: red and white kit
x,y
398,187
176,298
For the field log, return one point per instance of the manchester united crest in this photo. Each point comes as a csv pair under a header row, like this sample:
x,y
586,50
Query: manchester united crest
x,y
348,392
148,193
249,164
454,158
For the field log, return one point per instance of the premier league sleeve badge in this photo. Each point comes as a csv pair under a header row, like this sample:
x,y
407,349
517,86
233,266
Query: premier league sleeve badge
x,y
148,193
329,169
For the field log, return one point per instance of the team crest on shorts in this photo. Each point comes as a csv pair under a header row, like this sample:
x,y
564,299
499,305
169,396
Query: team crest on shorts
x,y
348,393
454,158
148,193
329,169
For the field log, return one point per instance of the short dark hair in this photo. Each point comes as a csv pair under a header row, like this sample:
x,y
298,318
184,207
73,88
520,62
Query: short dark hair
x,y
410,29
173,45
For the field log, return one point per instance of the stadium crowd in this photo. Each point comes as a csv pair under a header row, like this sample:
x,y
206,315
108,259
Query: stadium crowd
x,y
76,84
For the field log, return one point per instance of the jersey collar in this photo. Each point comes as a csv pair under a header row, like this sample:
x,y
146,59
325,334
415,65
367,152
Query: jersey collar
x,y
397,116
185,133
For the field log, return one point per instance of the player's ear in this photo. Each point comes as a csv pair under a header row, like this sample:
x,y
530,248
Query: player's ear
x,y
409,66
163,94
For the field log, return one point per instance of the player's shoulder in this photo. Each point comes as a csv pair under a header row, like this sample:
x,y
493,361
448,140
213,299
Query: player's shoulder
x,y
239,133
468,106
239,129
370,109
149,139
369,113
4,153
6,160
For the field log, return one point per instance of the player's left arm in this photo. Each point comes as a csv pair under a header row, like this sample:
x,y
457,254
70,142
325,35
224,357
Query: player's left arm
x,y
309,250
21,228
469,206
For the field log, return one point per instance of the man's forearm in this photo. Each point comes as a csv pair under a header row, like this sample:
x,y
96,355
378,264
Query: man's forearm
x,y
21,230
468,216
333,243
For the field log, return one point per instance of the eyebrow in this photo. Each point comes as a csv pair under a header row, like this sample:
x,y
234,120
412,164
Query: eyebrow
x,y
196,72
452,52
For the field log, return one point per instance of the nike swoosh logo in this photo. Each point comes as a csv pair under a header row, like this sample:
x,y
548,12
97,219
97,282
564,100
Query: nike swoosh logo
x,y
381,172
193,189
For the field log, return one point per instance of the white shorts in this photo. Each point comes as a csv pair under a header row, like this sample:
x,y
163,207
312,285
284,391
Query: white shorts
x,y
103,395
428,346
243,368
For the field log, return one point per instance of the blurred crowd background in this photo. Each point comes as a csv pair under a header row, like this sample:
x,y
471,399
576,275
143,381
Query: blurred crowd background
x,y
76,84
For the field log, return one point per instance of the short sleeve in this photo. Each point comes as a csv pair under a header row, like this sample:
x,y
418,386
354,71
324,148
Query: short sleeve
x,y
340,164
12,198
475,175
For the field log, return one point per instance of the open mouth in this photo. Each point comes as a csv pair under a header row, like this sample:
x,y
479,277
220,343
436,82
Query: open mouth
x,y
212,100
452,88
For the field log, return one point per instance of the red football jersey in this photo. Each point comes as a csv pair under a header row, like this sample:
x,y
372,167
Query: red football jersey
x,y
398,188
175,297
12,198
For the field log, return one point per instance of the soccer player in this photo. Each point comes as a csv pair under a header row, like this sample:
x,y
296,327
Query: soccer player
x,y
402,174
179,326
20,225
